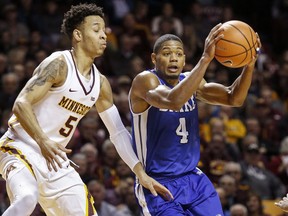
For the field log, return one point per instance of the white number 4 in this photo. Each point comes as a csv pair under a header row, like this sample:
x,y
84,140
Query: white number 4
x,y
181,130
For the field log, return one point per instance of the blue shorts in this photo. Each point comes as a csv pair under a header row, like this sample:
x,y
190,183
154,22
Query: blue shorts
x,y
194,195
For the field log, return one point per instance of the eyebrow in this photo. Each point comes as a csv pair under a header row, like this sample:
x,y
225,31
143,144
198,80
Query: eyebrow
x,y
169,48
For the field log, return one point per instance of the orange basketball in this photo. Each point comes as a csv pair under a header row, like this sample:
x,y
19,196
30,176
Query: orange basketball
x,y
238,46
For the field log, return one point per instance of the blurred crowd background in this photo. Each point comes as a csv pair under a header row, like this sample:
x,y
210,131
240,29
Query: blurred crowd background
x,y
244,151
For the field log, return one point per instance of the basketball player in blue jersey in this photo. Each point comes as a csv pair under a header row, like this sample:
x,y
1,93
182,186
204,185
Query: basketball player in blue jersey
x,y
165,125
62,90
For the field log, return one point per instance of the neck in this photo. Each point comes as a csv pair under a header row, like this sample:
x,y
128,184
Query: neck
x,y
82,61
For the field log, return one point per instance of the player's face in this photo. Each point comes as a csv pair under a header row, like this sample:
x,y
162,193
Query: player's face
x,y
93,39
170,59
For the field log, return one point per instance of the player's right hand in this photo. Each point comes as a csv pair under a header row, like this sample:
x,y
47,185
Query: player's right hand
x,y
52,152
213,37
283,204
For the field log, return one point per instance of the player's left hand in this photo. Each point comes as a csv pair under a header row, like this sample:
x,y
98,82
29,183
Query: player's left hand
x,y
258,52
155,187
151,184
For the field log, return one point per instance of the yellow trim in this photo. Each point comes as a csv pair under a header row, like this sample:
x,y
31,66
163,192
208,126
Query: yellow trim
x,y
4,147
89,203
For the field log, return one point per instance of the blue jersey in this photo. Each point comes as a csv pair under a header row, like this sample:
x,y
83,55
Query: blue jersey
x,y
167,141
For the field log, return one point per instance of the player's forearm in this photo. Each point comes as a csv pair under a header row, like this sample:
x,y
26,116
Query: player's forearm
x,y
139,171
25,115
241,85
119,136
188,86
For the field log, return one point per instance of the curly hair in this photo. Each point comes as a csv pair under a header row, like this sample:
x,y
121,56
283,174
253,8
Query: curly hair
x,y
76,15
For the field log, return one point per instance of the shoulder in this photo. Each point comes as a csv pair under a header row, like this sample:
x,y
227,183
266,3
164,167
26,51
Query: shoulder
x,y
145,75
54,68
56,59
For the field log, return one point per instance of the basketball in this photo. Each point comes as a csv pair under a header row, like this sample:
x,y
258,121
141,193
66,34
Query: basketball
x,y
238,46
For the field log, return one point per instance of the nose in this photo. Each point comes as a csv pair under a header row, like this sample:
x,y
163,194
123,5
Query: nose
x,y
173,57
103,35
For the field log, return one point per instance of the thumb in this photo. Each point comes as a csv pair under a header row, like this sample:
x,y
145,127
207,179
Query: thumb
x,y
65,149
152,190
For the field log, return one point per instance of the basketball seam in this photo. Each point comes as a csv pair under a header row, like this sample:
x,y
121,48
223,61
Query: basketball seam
x,y
251,42
242,33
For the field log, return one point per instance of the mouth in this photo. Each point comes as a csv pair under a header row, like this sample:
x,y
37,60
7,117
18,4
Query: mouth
x,y
173,68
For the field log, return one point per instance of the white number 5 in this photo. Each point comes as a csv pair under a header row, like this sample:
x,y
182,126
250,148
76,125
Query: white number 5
x,y
181,130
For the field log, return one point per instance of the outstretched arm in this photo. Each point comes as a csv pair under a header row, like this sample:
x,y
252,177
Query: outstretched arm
x,y
121,138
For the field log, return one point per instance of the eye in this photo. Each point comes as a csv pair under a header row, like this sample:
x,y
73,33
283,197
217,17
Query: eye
x,y
179,54
166,54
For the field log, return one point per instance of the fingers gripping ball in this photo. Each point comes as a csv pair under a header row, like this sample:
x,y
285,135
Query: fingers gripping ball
x,y
238,46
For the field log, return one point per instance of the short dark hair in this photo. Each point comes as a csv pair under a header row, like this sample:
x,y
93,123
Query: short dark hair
x,y
76,16
164,38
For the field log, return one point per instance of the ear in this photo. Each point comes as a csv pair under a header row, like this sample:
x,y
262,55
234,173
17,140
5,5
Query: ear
x,y
77,35
184,61
153,58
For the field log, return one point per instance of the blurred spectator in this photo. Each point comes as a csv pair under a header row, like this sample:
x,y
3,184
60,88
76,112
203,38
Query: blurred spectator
x,y
223,199
3,65
117,62
81,166
167,13
192,48
137,65
266,184
195,16
93,162
251,138
204,115
104,208
279,163
123,84
18,32
254,205
5,116
131,202
9,92
214,157
238,210
117,9
139,36
88,130
140,12
49,22
234,127
228,183
254,128
234,169
110,158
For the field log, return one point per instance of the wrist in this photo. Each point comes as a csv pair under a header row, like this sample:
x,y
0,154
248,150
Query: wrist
x,y
205,59
138,170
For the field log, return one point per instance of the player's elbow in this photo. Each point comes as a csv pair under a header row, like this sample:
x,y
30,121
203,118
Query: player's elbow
x,y
175,106
18,106
236,102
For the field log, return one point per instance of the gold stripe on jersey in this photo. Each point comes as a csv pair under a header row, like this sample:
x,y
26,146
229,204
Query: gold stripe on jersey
x,y
4,147
74,106
12,122
90,209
